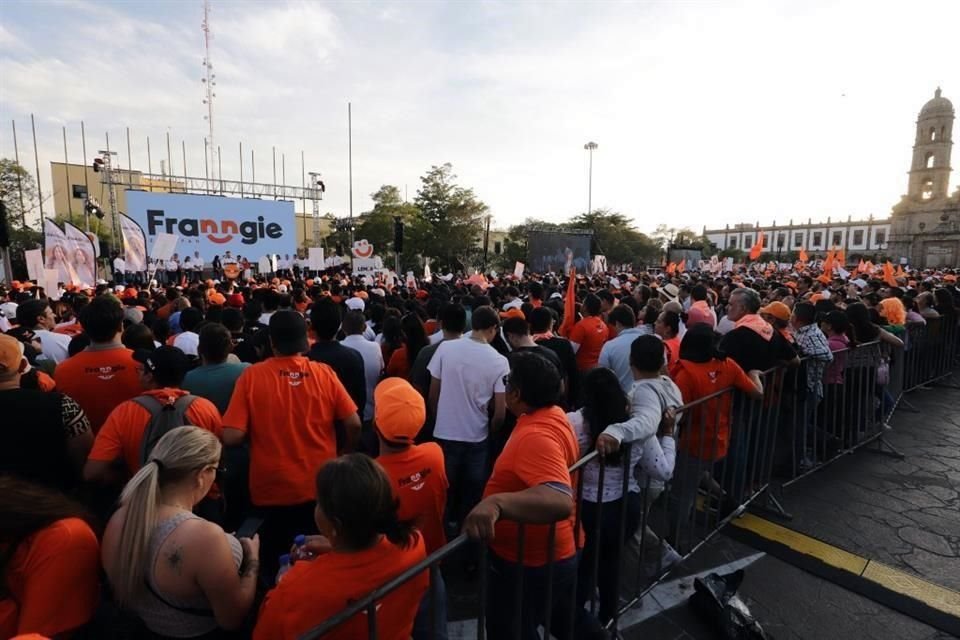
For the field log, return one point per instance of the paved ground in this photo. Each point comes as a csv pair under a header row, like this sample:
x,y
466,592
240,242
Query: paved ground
x,y
903,513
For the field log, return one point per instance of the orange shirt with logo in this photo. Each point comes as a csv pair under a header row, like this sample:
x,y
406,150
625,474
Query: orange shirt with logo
x,y
591,334
706,434
122,433
419,481
53,580
287,407
314,590
540,450
99,380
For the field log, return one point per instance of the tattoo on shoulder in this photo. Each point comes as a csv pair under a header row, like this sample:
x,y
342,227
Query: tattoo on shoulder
x,y
175,560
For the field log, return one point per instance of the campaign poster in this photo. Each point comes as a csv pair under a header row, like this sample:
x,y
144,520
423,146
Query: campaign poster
x,y
213,225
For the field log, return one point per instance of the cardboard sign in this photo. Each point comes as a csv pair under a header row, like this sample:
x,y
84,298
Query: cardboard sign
x,y
316,259
34,259
411,280
164,247
518,270
362,249
49,282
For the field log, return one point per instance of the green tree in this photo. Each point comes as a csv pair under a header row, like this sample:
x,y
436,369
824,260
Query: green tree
x,y
14,180
455,217
615,237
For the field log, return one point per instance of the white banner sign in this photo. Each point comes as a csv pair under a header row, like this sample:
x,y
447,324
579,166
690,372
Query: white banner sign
x,y
364,266
134,244
49,282
518,270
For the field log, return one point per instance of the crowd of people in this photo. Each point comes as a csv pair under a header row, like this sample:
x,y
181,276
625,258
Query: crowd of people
x,y
245,457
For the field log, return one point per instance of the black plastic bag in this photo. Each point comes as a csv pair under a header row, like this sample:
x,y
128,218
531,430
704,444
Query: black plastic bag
x,y
715,600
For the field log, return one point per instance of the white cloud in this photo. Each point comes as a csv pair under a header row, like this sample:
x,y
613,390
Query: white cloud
x,y
705,113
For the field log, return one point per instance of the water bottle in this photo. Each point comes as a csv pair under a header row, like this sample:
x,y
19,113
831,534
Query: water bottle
x,y
284,566
301,552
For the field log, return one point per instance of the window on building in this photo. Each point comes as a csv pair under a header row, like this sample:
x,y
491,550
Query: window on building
x,y
733,242
497,247
748,241
858,237
781,240
880,237
837,238
927,191
933,134
929,161
798,239
817,238
80,191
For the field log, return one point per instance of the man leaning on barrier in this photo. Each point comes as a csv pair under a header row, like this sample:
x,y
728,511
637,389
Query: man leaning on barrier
x,y
529,491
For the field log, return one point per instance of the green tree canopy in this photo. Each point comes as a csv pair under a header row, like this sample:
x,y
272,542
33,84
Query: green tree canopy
x,y
454,214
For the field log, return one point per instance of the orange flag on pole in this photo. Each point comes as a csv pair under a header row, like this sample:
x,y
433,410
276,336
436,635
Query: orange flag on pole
x,y
803,255
900,272
570,304
888,275
757,248
682,266
671,269
828,262
862,266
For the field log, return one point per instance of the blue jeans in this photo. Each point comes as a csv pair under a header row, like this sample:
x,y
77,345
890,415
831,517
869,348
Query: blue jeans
x,y
502,607
421,624
466,467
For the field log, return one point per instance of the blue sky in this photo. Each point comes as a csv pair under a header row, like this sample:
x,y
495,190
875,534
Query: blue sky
x,y
706,113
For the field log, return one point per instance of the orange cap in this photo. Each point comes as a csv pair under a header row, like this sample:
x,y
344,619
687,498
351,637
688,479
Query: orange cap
x,y
777,310
11,354
513,313
217,298
399,411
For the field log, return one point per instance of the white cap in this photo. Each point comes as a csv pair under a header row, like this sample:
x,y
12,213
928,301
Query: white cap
x,y
355,304
119,288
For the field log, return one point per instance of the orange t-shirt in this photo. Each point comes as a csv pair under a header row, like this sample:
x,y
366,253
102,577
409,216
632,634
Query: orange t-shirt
x,y
53,579
590,333
540,450
706,431
122,433
398,365
315,590
99,380
419,481
45,383
431,326
287,407
672,350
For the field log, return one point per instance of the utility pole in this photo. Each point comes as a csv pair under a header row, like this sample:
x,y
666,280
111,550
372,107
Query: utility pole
x,y
590,147
350,166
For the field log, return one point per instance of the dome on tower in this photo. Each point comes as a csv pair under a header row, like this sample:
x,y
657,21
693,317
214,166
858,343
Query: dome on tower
x,y
937,106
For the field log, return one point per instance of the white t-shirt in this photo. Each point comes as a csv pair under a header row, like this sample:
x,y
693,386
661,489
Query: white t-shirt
x,y
470,372
197,264
172,265
372,366
56,346
119,265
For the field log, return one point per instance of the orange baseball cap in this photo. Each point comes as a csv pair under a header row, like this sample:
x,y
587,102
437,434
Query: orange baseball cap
x,y
217,299
777,310
11,354
399,411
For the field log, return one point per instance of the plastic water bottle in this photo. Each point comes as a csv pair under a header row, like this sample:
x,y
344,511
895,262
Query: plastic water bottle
x,y
301,552
284,566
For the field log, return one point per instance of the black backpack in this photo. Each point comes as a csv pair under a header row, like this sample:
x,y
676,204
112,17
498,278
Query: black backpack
x,y
163,418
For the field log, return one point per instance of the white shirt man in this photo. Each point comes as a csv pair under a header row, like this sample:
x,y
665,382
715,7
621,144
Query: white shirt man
x,y
354,326
55,346
197,262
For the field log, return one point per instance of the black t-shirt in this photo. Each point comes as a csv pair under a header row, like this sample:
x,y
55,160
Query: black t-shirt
x,y
751,351
347,363
34,432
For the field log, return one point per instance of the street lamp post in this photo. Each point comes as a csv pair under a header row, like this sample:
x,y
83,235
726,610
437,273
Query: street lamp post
x,y
589,147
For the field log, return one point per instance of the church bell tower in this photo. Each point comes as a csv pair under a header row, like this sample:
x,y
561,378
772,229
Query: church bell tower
x,y
930,170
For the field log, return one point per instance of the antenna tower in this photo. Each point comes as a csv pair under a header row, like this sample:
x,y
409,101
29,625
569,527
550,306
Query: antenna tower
x,y
209,81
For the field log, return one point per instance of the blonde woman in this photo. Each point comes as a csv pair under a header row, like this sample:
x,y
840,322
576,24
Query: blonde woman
x,y
182,575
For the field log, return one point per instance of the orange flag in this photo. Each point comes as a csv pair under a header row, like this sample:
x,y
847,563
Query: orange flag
x,y
868,267
682,266
803,255
888,275
570,304
862,266
841,256
900,272
671,269
828,262
757,248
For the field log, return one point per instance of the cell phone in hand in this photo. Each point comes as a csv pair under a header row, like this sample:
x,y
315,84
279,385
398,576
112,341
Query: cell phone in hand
x,y
249,527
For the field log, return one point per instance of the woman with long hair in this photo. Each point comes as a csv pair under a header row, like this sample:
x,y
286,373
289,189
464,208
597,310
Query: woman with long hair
x,y
362,544
182,575
49,560
392,337
414,339
863,329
